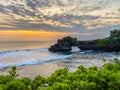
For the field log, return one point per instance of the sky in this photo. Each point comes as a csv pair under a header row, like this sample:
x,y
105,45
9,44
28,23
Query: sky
x,y
35,20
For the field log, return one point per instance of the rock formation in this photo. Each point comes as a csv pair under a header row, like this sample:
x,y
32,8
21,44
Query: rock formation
x,y
61,46
111,43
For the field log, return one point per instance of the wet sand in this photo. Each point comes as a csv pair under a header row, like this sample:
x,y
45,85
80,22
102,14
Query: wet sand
x,y
46,69
31,71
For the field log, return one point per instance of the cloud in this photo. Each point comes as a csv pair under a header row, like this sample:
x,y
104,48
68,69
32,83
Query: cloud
x,y
59,15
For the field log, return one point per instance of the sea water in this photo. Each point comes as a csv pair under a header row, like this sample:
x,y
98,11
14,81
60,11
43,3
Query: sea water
x,y
22,53
19,53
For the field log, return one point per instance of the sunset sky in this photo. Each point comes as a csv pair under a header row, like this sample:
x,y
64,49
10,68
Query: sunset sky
x,y
34,20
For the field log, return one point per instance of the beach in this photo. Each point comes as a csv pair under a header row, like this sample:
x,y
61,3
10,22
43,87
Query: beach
x,y
47,68
32,59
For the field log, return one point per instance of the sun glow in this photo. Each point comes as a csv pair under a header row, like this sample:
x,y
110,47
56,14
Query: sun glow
x,y
24,35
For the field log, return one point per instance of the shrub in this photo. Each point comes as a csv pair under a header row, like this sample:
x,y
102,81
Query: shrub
x,y
92,78
16,85
73,41
38,81
12,73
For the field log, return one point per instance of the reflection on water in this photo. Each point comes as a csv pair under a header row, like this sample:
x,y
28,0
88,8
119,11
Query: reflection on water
x,y
31,53
18,45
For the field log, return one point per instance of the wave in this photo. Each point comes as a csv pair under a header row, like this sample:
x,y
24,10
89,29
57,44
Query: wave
x,y
33,61
107,55
35,49
42,55
85,51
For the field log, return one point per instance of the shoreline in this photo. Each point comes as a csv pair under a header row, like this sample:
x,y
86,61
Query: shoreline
x,y
46,69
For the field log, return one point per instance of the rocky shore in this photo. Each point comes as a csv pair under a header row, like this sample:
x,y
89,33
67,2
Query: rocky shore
x,y
111,43
65,46
46,69
93,45
61,46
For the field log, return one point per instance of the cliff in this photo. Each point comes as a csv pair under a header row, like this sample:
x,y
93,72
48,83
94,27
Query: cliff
x,y
112,43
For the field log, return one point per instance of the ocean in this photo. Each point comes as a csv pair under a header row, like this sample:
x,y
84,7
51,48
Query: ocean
x,y
24,53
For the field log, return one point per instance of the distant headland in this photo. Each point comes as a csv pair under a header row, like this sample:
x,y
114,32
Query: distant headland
x,y
111,43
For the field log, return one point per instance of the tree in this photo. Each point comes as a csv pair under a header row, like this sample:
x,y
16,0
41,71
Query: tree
x,y
71,40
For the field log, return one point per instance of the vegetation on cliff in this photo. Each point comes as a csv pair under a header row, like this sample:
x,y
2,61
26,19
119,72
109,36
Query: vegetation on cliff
x,y
92,78
73,41
64,45
113,41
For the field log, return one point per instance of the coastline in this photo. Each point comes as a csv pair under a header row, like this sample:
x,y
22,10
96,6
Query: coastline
x,y
46,69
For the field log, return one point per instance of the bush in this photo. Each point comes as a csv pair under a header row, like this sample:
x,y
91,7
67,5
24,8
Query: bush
x,y
12,73
16,85
57,86
119,53
113,41
73,41
92,78
102,42
38,81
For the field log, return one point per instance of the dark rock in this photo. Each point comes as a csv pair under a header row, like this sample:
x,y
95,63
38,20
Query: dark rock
x,y
92,45
88,45
65,45
61,46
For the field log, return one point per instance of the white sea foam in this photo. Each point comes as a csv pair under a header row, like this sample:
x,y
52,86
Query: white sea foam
x,y
28,57
42,55
13,51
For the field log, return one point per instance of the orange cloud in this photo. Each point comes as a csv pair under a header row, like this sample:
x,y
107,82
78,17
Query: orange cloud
x,y
24,35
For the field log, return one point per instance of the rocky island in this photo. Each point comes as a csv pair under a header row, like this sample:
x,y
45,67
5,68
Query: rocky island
x,y
111,43
64,45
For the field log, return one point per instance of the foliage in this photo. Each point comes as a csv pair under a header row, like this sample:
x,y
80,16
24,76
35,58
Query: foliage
x,y
13,73
92,78
15,85
57,86
115,33
73,41
101,42
119,53
113,41
38,81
